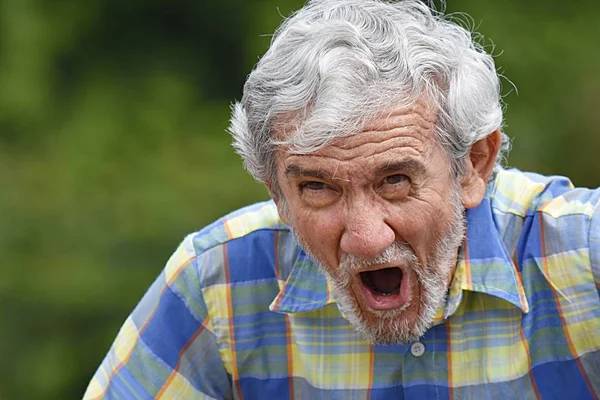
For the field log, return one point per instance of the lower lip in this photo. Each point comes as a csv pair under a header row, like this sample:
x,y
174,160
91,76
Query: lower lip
x,y
379,302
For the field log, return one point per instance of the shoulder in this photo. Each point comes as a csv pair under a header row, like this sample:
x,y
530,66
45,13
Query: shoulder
x,y
236,225
244,237
534,212
525,193
546,218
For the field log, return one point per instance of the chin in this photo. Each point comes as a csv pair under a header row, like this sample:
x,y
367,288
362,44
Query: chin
x,y
387,330
397,326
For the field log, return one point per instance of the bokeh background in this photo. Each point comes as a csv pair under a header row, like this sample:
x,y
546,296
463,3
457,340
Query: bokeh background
x,y
113,147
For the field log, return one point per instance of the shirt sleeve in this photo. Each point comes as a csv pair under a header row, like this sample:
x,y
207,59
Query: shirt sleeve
x,y
595,243
166,347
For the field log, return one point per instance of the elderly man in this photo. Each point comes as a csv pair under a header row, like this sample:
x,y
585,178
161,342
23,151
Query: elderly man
x,y
397,259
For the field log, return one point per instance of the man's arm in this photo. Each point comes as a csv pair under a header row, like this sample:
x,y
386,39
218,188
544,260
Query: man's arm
x,y
166,348
595,243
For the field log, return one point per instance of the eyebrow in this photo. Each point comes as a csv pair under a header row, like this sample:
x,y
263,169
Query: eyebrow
x,y
296,170
409,165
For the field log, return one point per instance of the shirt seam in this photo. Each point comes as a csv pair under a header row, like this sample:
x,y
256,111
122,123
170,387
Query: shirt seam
x,y
222,242
535,211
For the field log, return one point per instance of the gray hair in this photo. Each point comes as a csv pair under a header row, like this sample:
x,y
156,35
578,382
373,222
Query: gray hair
x,y
335,65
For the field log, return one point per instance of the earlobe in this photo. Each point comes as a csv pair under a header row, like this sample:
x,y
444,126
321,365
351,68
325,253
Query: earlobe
x,y
473,190
479,166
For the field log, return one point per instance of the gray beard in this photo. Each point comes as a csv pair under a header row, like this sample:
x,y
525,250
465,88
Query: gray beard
x,y
389,326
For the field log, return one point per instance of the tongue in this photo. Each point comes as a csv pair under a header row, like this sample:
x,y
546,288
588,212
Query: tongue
x,y
386,280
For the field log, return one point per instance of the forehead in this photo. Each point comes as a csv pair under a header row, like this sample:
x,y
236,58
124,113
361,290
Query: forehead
x,y
394,136
417,122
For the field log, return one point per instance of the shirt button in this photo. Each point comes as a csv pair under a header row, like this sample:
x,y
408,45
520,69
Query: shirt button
x,y
417,349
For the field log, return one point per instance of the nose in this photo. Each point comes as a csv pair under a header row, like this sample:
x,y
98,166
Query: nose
x,y
366,233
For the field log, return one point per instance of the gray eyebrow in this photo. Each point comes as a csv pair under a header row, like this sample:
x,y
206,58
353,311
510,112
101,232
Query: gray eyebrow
x,y
410,165
296,170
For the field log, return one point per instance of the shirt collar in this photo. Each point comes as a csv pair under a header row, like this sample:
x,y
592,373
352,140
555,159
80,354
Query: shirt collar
x,y
305,289
484,265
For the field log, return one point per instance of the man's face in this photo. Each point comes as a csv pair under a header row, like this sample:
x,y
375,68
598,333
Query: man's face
x,y
381,213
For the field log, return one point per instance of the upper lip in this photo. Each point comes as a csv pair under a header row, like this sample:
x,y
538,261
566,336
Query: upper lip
x,y
379,266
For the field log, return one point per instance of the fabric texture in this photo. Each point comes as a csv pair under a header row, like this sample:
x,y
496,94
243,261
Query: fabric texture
x,y
240,311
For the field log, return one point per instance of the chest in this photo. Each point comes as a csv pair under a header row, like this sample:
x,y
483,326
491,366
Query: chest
x,y
483,350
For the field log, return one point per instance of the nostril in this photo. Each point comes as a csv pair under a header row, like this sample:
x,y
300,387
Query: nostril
x,y
367,243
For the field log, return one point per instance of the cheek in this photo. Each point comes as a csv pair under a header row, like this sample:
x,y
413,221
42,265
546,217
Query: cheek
x,y
321,232
420,224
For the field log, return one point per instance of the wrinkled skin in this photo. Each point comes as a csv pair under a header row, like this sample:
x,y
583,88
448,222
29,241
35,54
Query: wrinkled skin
x,y
390,184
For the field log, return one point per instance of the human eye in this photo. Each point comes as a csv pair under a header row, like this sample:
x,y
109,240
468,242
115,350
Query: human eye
x,y
396,179
318,194
395,186
313,186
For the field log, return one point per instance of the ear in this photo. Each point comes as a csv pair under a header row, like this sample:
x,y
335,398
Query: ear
x,y
478,168
275,194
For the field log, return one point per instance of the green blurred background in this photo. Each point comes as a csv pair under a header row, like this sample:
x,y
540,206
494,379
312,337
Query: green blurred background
x,y
113,147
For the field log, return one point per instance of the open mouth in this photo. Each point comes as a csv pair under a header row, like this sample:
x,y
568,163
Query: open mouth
x,y
385,288
384,282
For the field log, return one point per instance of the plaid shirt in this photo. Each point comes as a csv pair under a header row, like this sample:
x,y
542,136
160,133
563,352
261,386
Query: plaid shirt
x,y
241,312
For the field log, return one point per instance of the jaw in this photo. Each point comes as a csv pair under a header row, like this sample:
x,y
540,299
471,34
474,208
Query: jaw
x,y
382,325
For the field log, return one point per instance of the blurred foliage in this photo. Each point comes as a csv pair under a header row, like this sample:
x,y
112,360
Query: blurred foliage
x,y
112,148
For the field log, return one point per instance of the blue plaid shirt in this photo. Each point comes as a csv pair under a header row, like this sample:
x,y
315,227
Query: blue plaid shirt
x,y
240,311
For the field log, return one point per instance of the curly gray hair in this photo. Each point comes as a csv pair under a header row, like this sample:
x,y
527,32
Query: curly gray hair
x,y
335,65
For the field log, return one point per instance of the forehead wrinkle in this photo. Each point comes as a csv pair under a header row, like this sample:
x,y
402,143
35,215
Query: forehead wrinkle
x,y
421,114
370,149
380,136
392,123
